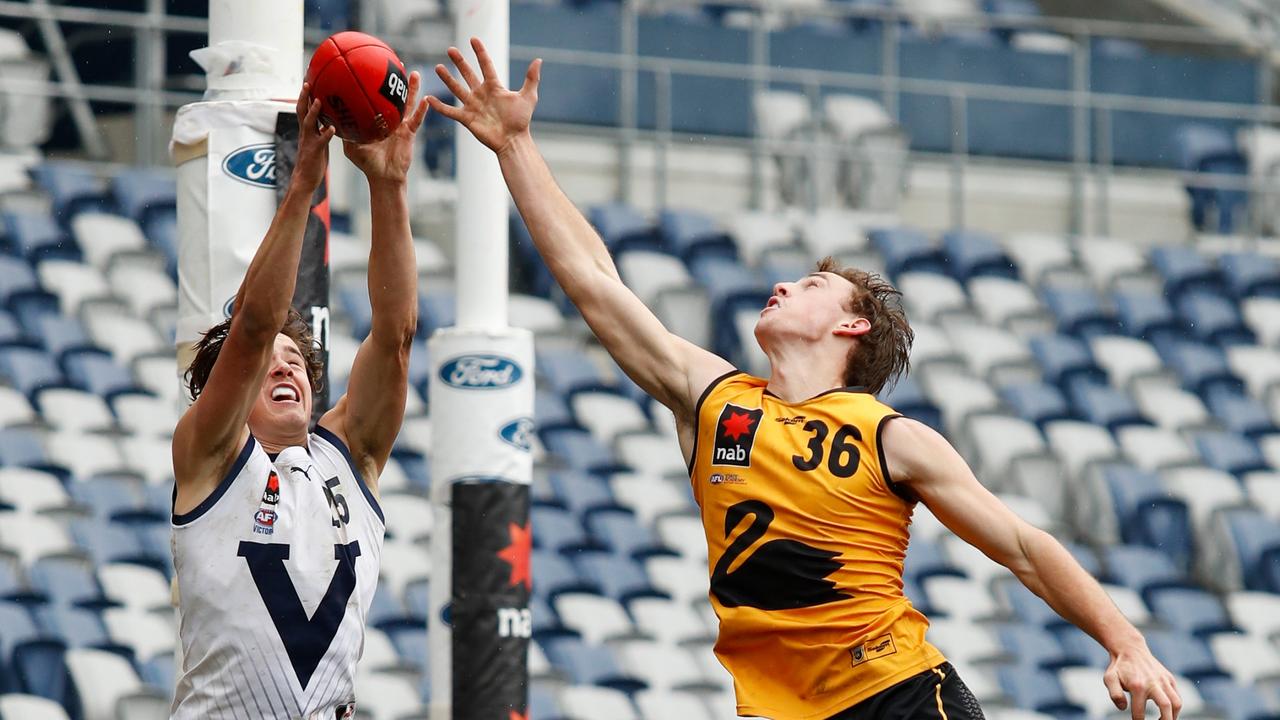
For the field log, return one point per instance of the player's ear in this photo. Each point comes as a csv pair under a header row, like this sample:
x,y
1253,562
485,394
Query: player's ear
x,y
853,327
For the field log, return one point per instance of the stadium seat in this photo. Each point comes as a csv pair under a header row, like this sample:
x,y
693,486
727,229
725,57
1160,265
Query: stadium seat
x,y
960,599
960,397
147,634
1259,367
1065,360
965,643
1077,444
582,702
1201,368
621,532
140,192
1143,569
1037,690
669,622
1248,658
1105,406
139,589
29,370
126,336
655,705
41,670
67,581
1255,541
1172,407
1238,701
908,250
1148,316
595,618
932,297
997,355
37,236
1078,311
30,707
589,664
970,254
33,491
1039,255
34,536
387,695
1230,452
1010,304
691,234
1214,319
102,236
557,529
1258,613
1262,315
1241,414
1033,646
1189,610
1011,454
107,542
73,410
1183,654
1184,269
684,579
1206,148
1250,274
1109,261
623,228
607,415
1204,490
72,186
1155,448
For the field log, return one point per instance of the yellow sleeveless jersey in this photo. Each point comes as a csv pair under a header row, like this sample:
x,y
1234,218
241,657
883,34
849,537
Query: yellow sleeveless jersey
x,y
806,538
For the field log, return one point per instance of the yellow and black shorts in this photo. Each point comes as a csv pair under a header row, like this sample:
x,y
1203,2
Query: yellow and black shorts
x,y
935,694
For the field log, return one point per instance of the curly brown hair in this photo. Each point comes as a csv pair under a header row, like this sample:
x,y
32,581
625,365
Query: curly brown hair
x,y
883,354
210,344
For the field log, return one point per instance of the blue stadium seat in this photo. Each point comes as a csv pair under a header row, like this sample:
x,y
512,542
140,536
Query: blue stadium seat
x,y
908,250
77,627
162,230
354,300
582,492
1038,690
386,612
415,467
67,581
1230,452
1038,402
40,670
60,334
554,574
73,187
1077,644
622,227
1029,608
908,398
530,273
16,276
691,234
36,236
1065,361
1201,368
1148,316
1250,274
21,447
543,705
1142,568
1183,654
436,309
1190,610
1106,406
1184,269
99,373
1257,543
1078,311
139,192
1240,413
1086,556
159,671
579,450
1214,319
29,370
1238,701
10,331
11,584
417,598
556,529
29,306
107,541
1034,647
926,559
1207,148
970,254
569,370
587,664
419,363
545,620
620,532
620,577
410,642
551,411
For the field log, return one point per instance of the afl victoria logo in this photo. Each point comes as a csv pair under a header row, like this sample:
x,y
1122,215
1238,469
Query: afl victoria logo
x,y
252,165
517,432
480,372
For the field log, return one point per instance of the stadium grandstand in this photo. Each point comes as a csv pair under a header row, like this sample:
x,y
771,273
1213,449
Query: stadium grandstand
x,y
1079,201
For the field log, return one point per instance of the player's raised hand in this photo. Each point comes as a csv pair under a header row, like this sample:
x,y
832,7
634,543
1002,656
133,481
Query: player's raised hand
x,y
313,142
1138,673
494,114
390,157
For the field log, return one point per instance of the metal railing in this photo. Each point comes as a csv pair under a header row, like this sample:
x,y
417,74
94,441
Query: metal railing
x,y
1091,157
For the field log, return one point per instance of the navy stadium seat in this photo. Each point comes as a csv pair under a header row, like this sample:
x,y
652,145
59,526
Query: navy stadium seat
x,y
1085,555
1183,654
10,331
29,306
37,236
530,273
580,450
556,529
1205,148
908,398
1029,608
1035,647
925,559
67,581
29,370
1148,316
1250,274
1184,269
691,234
568,371
1214,319
1230,452
73,188
162,230
106,541
410,642
1106,406
1201,368
354,299
1142,568
417,598
21,447
1077,644
622,227
1037,690
1066,360
77,627
1078,311
60,334
98,373
581,492
622,533
386,612
588,664
1038,402
40,670
15,276
107,496
1238,701
1257,544
550,410
908,250
555,574
618,576
544,618
970,254
1190,610
139,192
1240,413
436,309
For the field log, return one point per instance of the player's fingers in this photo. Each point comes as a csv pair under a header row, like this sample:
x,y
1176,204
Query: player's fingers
x,y
311,121
449,111
1160,696
415,82
1114,689
304,100
419,114
1138,702
451,82
532,77
1175,699
486,63
464,68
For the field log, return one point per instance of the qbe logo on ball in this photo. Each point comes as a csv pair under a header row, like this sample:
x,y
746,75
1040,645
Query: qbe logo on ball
x,y
481,372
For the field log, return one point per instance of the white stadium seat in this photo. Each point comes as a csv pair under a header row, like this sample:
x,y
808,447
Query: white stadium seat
x,y
101,678
607,415
669,622
1171,407
590,702
138,588
595,617
72,282
387,696
1108,260
32,537
650,496
75,410
31,491
101,236
30,707
148,634
1126,359
1155,448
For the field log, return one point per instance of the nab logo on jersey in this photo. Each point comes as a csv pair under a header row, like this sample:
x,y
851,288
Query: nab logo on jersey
x,y
735,435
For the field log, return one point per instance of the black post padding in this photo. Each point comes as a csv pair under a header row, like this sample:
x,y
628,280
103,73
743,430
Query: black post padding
x,y
492,579
311,293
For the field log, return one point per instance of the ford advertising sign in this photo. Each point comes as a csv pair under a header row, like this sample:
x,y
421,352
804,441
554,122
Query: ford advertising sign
x,y
480,372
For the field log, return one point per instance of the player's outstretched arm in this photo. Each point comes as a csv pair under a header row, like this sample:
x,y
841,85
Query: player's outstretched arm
x,y
214,426
920,459
368,416
671,369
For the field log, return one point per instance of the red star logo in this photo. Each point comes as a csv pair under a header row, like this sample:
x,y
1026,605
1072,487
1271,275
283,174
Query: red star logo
x,y
518,716
517,554
737,425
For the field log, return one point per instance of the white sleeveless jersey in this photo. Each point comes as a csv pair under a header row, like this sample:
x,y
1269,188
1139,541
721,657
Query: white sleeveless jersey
x,y
276,571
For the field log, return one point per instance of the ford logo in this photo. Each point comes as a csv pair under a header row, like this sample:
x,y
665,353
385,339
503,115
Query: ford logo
x,y
480,372
252,165
229,306
517,433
